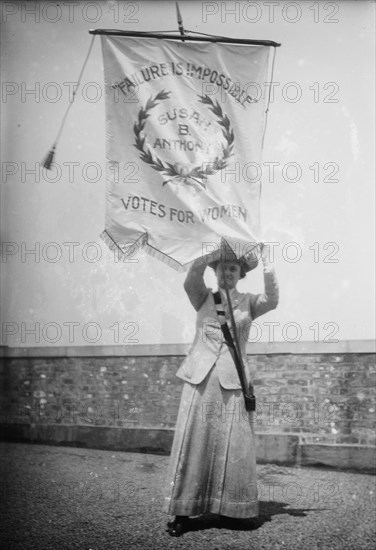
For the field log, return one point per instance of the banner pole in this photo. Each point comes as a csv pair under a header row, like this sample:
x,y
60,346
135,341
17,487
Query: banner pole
x,y
185,37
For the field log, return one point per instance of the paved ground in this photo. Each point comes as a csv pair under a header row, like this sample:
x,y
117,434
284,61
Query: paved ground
x,y
64,498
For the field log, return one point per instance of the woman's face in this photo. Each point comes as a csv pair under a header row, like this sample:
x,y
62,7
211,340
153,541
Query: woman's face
x,y
232,274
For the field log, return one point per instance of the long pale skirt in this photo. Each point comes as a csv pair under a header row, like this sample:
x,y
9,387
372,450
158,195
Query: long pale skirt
x,y
213,457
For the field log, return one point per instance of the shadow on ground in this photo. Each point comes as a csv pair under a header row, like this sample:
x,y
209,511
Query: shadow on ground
x,y
266,512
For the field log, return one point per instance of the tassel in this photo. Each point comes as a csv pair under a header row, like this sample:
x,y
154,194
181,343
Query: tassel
x,y
49,158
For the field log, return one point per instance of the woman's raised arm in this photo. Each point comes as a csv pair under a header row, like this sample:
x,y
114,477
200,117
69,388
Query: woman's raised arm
x,y
262,303
194,284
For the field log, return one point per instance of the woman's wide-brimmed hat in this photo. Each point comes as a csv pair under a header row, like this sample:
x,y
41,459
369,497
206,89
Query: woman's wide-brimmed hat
x,y
248,262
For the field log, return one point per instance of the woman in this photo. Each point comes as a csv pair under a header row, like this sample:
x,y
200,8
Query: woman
x,y
213,456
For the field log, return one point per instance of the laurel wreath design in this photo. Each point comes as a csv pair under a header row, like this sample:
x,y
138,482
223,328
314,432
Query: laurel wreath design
x,y
198,173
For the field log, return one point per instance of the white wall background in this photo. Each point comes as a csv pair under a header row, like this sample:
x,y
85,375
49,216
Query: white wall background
x,y
328,52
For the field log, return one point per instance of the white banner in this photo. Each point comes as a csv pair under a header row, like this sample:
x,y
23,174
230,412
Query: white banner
x,y
184,128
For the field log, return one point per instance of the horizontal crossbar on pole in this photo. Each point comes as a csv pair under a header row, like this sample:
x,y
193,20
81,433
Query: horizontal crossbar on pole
x,y
185,37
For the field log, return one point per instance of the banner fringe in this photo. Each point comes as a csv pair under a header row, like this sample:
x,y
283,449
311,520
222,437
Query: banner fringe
x,y
131,249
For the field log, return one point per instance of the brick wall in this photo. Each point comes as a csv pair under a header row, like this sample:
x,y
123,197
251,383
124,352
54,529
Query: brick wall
x,y
323,398
320,397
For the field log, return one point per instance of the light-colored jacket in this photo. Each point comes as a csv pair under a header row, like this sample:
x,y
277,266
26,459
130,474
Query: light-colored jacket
x,y
209,348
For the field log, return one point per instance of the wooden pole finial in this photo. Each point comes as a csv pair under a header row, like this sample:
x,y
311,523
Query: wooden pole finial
x,y
180,20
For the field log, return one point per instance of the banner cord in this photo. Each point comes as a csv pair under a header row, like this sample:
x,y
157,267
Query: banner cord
x,y
50,156
75,91
268,103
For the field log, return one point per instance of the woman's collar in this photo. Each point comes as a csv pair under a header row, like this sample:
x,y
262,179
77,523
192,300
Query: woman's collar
x,y
232,291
